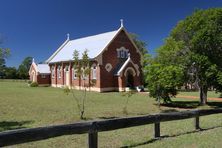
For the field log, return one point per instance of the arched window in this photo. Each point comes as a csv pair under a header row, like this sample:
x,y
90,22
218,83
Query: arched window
x,y
74,73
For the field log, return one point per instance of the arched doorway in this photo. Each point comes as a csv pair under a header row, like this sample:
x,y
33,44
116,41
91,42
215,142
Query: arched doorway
x,y
130,78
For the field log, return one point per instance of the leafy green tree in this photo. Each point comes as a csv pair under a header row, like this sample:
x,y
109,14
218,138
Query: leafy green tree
x,y
195,45
139,43
24,68
11,73
4,53
142,46
163,81
201,34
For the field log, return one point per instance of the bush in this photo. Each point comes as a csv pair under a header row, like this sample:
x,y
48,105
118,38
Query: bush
x,y
29,82
34,84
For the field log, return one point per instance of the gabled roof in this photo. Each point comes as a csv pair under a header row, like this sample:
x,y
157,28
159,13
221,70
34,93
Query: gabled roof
x,y
40,68
43,68
94,44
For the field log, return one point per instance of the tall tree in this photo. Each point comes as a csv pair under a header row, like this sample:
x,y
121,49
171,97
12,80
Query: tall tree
x,y
24,68
4,53
201,34
195,45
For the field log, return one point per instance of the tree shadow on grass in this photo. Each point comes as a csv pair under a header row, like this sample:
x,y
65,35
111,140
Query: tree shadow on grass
x,y
191,104
215,104
183,104
168,136
113,117
11,125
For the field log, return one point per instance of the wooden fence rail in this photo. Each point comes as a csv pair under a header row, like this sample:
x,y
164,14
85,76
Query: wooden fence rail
x,y
93,127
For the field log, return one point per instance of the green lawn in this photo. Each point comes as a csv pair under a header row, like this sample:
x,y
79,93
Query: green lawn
x,y
25,107
210,94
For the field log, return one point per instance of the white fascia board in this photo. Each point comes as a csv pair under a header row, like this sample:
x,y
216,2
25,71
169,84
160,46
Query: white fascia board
x,y
54,54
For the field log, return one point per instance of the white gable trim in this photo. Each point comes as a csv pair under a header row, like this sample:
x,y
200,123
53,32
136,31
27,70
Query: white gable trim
x,y
57,51
34,66
105,48
129,60
137,49
127,34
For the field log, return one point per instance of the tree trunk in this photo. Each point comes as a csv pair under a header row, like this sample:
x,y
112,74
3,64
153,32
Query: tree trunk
x,y
203,95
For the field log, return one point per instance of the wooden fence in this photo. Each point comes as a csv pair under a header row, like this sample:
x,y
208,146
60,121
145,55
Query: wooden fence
x,y
93,127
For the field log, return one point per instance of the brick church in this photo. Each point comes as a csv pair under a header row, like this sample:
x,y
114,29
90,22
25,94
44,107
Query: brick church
x,y
114,59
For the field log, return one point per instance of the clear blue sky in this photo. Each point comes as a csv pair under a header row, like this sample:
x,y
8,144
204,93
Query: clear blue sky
x,y
37,27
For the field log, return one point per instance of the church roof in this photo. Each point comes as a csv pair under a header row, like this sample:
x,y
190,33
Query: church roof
x,y
43,68
93,44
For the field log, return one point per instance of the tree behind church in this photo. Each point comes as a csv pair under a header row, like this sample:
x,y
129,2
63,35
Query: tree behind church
x,y
24,68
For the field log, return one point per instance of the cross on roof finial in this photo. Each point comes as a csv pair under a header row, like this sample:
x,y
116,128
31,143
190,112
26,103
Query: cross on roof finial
x,y
121,21
67,36
33,60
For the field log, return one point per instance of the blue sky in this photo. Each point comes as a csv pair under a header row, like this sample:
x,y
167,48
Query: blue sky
x,y
38,27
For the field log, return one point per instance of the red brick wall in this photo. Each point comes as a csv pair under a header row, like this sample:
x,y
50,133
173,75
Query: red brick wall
x,y
110,56
46,80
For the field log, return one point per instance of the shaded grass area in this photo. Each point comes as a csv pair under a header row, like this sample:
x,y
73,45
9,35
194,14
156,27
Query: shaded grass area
x,y
25,107
12,125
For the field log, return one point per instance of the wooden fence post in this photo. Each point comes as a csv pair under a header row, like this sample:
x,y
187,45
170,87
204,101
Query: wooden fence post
x,y
197,122
156,130
93,140
93,136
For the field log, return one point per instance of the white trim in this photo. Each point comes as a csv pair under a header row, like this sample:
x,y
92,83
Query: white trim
x,y
137,49
127,34
96,89
130,68
56,52
125,64
34,66
106,46
108,67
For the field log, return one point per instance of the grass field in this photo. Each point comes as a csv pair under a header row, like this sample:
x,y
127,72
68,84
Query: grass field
x,y
25,107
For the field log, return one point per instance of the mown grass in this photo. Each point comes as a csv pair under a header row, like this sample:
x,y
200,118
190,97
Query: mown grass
x,y
25,107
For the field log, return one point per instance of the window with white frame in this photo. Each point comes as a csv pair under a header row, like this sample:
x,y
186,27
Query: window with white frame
x,y
122,52
59,72
94,72
74,73
53,71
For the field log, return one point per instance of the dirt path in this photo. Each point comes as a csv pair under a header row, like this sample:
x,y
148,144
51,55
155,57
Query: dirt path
x,y
194,97
189,97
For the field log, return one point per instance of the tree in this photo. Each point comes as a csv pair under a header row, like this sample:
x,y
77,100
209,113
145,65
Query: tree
x,y
11,73
145,59
82,69
163,81
195,45
4,53
139,43
201,34
24,68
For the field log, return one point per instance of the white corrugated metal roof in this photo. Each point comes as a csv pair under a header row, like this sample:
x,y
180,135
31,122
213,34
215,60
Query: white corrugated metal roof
x,y
94,44
43,68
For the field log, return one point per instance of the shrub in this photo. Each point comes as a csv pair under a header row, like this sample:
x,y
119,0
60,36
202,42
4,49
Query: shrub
x,y
29,82
34,84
